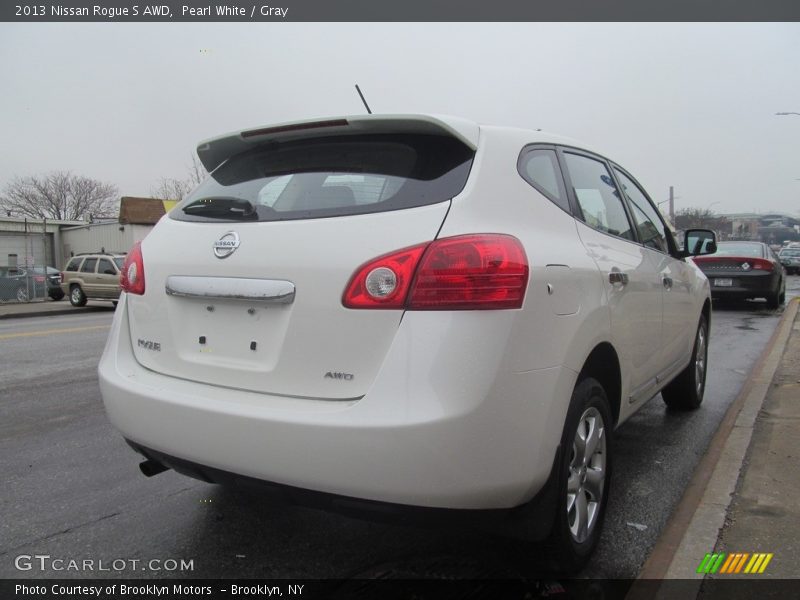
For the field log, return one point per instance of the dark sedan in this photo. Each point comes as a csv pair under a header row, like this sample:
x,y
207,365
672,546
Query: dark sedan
x,y
743,270
53,276
20,285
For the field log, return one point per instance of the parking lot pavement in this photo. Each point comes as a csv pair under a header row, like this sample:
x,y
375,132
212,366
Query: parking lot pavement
x,y
9,310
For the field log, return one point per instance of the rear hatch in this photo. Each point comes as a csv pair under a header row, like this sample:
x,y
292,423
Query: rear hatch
x,y
244,278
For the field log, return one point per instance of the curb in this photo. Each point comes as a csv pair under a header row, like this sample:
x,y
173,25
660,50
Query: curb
x,y
700,515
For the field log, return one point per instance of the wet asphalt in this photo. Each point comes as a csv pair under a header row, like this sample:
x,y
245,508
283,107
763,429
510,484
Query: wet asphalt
x,y
72,490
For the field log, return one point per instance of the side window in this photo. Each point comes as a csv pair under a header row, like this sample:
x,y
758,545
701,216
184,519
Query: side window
x,y
539,167
652,231
599,200
106,267
88,265
73,264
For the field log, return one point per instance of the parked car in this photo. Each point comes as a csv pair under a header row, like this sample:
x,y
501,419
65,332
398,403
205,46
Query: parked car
x,y
53,281
409,314
744,270
790,259
21,284
93,276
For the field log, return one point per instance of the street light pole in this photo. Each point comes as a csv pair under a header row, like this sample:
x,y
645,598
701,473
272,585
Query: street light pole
x,y
672,204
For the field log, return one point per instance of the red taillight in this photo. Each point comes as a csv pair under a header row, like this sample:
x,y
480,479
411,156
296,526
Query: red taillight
x,y
132,277
361,292
468,272
471,272
39,279
761,264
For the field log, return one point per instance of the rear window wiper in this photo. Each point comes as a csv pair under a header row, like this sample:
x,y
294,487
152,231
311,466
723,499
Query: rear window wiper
x,y
222,208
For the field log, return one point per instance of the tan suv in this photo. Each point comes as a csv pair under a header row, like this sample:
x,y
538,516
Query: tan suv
x,y
92,277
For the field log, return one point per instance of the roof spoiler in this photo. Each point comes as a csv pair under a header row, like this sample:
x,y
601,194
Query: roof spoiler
x,y
214,152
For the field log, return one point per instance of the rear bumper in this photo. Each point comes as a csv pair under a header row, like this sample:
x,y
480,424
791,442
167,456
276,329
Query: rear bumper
x,y
471,444
530,521
745,285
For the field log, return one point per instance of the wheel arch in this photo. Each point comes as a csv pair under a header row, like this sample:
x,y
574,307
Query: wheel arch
x,y
603,365
706,312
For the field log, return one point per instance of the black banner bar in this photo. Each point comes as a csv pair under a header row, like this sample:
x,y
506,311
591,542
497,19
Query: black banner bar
x,y
722,588
194,11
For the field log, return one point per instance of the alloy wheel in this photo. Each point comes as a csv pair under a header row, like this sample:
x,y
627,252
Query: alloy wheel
x,y
587,475
700,360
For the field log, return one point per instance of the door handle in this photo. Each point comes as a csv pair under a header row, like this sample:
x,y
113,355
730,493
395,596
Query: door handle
x,y
667,281
618,277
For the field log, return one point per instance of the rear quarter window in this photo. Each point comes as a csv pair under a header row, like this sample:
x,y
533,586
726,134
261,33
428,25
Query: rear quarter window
x,y
74,264
539,167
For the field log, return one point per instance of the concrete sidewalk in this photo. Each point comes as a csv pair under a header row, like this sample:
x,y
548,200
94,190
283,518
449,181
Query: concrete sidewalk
x,y
48,307
743,497
764,516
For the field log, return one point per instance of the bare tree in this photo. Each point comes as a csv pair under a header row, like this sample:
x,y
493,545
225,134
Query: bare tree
x,y
171,189
176,189
59,195
689,218
686,218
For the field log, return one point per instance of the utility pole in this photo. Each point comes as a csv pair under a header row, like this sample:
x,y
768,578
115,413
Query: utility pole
x,y
672,204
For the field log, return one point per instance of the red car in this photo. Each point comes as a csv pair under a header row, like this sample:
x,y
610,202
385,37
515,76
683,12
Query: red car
x,y
742,270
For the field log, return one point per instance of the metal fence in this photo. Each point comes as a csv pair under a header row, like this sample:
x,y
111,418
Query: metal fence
x,y
27,272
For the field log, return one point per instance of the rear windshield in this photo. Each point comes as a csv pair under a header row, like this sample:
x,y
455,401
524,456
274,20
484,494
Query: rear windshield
x,y
740,249
331,177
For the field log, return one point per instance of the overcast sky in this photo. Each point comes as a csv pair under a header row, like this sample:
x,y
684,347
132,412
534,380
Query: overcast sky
x,y
691,106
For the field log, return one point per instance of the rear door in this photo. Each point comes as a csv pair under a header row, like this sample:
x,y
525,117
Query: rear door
x,y
629,272
88,273
676,277
107,279
244,279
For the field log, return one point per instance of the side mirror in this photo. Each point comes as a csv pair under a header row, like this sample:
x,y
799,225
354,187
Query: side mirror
x,y
697,242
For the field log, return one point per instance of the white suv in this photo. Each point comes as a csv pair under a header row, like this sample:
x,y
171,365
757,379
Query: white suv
x,y
408,312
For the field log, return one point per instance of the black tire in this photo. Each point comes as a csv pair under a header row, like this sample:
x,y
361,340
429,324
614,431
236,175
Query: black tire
x,y
776,299
56,295
573,544
21,294
686,391
76,296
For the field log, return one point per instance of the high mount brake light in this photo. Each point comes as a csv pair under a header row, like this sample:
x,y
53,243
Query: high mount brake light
x,y
132,277
468,272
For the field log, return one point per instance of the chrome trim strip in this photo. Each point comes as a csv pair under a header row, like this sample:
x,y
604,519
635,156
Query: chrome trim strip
x,y
271,291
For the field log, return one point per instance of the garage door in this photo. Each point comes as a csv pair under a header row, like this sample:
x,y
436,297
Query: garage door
x,y
31,249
